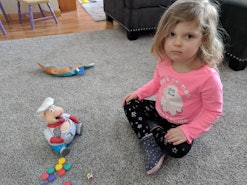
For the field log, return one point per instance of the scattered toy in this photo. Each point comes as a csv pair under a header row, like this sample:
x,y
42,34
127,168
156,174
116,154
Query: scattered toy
x,y
44,176
58,167
65,72
67,166
61,160
67,183
51,170
61,167
85,1
51,177
61,127
61,172
90,176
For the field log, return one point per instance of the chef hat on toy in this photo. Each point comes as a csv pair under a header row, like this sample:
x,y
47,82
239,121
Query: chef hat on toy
x,y
45,105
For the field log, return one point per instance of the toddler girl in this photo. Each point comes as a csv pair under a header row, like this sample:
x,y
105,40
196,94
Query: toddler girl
x,y
186,83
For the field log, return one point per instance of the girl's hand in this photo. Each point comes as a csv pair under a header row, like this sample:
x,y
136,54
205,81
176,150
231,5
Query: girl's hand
x,y
175,136
128,97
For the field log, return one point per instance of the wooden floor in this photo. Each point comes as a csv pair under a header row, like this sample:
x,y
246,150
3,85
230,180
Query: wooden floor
x,y
69,22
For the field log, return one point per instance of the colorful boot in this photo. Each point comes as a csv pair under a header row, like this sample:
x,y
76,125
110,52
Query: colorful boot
x,y
154,156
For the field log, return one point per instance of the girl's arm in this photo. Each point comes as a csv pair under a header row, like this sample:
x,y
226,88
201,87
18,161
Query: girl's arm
x,y
212,102
149,88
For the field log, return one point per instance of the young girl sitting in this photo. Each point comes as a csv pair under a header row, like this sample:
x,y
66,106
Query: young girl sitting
x,y
186,83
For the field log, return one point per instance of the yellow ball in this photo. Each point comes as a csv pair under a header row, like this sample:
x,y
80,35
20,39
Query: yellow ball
x,y
58,167
61,160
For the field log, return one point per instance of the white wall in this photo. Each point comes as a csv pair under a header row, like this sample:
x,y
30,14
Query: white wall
x,y
10,6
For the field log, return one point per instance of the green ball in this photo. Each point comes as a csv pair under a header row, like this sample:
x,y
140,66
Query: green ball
x,y
51,170
67,166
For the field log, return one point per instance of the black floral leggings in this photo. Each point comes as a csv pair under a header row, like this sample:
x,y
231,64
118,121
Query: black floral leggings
x,y
140,112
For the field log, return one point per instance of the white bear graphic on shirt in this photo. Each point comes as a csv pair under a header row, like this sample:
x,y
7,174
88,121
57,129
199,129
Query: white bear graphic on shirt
x,y
171,101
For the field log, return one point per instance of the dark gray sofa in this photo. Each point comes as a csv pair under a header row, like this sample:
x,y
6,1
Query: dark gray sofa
x,y
135,15
142,15
234,20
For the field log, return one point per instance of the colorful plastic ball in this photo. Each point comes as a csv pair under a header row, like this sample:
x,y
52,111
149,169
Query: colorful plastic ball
x,y
61,160
67,183
51,170
51,178
44,176
67,166
61,172
58,167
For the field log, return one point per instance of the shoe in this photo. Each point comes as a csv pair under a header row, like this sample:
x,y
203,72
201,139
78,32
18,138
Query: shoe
x,y
79,129
154,156
64,151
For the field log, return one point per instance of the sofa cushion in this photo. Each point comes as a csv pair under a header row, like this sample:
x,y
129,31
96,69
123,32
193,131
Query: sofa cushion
x,y
130,4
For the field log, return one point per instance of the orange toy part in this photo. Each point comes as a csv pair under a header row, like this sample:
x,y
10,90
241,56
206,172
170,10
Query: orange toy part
x,y
54,71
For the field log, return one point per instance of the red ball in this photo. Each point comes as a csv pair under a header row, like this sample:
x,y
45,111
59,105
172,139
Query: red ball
x,y
44,176
61,172
67,183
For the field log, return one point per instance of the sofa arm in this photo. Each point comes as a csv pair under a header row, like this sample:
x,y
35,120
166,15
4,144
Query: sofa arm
x,y
234,21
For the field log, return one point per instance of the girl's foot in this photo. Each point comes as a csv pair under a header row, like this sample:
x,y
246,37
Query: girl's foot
x,y
154,156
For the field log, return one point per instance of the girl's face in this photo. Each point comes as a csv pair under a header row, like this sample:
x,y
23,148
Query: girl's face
x,y
183,42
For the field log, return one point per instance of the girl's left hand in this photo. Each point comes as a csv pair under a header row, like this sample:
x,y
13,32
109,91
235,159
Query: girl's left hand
x,y
175,136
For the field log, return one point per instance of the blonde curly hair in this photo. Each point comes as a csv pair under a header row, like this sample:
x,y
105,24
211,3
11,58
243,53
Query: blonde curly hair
x,y
207,15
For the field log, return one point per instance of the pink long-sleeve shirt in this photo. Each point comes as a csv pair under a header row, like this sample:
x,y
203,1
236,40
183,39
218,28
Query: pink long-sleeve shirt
x,y
193,99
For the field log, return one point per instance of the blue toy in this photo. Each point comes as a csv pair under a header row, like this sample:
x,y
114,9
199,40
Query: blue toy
x,y
67,71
